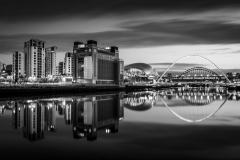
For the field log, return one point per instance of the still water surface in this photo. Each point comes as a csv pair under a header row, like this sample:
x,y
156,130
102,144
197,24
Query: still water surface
x,y
172,123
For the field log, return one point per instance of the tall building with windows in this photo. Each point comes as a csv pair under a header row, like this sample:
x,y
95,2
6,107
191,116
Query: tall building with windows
x,y
18,64
50,61
61,68
92,64
68,60
35,58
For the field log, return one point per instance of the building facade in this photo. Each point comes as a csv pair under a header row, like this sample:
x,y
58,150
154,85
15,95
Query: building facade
x,y
50,61
57,72
68,60
18,64
61,68
35,58
92,64
9,69
1,66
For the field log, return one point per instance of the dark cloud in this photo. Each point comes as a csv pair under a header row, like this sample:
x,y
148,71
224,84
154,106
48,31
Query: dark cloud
x,y
27,10
132,35
191,31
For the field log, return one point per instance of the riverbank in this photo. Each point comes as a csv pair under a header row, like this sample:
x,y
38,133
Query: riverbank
x,y
39,89
59,90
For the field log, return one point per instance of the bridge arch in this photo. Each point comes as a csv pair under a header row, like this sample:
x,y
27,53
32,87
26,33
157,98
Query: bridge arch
x,y
193,56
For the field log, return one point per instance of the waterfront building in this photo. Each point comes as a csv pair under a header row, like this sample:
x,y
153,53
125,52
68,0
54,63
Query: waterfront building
x,y
1,66
68,60
50,61
3,71
35,58
9,69
139,73
18,115
92,64
92,115
33,121
18,64
61,68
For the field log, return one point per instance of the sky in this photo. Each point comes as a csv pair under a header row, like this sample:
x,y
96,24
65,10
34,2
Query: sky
x,y
148,31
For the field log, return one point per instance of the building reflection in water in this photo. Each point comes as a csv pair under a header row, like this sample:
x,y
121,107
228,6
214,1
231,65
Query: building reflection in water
x,y
199,103
140,101
92,115
89,115
188,104
18,115
2,107
67,108
34,113
50,115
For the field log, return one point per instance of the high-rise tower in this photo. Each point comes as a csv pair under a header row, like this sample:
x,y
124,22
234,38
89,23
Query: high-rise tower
x,y
68,63
35,58
50,62
18,64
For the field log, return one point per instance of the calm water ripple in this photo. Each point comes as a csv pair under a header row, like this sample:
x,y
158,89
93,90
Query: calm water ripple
x,y
171,123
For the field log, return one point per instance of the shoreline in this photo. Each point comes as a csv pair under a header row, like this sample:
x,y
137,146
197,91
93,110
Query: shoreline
x,y
14,91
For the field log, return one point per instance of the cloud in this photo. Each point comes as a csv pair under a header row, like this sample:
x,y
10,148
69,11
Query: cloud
x,y
182,31
27,10
131,35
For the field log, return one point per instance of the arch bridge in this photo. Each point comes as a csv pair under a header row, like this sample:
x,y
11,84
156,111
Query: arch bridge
x,y
196,74
209,74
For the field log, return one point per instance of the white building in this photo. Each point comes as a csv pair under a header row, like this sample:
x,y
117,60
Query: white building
x,y
68,60
18,64
50,61
35,58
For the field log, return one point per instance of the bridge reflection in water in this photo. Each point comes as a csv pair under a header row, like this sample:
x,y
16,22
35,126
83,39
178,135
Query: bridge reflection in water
x,y
88,115
188,104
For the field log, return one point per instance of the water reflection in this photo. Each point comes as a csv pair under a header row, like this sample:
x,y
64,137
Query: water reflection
x,y
96,114
88,115
188,104
139,101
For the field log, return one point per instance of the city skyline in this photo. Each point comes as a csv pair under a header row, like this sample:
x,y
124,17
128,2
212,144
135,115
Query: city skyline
x,y
152,32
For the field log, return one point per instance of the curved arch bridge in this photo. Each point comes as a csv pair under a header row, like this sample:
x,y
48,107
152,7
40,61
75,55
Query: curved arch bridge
x,y
196,74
